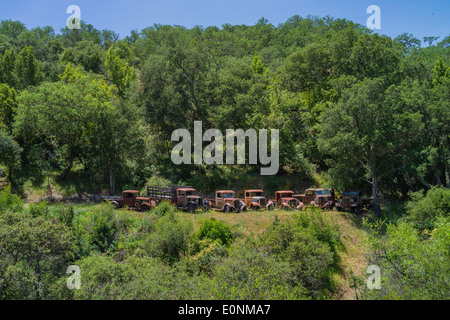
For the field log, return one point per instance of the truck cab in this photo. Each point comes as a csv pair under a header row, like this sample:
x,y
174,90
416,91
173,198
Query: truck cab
x,y
351,201
280,195
325,199
187,198
255,199
226,201
131,199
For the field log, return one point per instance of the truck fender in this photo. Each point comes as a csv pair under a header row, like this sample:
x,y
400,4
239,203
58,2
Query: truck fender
x,y
300,206
115,204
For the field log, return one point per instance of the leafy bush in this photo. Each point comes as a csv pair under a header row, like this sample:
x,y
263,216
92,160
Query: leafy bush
x,y
164,208
39,209
308,243
424,211
413,268
215,230
248,274
169,241
66,214
9,201
34,254
137,278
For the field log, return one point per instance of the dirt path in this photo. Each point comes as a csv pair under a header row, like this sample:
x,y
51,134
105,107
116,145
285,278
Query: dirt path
x,y
353,258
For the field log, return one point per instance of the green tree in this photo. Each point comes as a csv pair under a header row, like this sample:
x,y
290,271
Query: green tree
x,y
8,106
119,71
7,66
365,130
10,153
63,113
34,252
28,69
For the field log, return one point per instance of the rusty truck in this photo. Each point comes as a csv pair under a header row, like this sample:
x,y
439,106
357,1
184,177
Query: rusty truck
x,y
226,201
131,199
351,200
255,199
325,199
285,200
185,198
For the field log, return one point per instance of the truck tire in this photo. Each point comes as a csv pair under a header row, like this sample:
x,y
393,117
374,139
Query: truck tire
x,y
137,204
191,208
227,209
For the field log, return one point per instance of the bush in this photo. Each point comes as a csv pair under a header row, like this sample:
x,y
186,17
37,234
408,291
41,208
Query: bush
x,y
307,242
169,241
413,268
66,214
248,274
34,253
164,208
9,201
215,230
424,211
39,209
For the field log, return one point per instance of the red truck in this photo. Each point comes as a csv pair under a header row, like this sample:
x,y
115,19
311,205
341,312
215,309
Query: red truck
x,y
255,199
285,200
183,197
131,199
226,201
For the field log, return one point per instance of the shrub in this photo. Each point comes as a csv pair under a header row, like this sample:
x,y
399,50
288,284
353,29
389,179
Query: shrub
x,y
66,214
169,241
34,253
413,267
164,208
249,274
39,209
9,201
425,210
215,230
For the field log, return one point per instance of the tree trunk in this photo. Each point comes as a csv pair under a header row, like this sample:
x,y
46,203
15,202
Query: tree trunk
x,y
112,181
376,199
63,175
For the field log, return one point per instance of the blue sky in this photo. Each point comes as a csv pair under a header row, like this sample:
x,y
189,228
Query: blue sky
x,y
421,18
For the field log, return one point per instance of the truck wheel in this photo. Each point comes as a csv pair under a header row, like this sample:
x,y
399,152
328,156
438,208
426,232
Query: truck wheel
x,y
227,209
137,204
144,207
191,208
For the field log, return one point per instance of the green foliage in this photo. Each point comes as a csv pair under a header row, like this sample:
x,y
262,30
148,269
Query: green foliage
x,y
8,106
413,268
215,230
10,152
34,254
169,242
9,201
28,68
425,211
250,275
119,70
164,208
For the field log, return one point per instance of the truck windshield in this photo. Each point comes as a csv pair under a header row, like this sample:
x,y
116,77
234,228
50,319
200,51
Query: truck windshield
x,y
256,194
228,195
190,193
